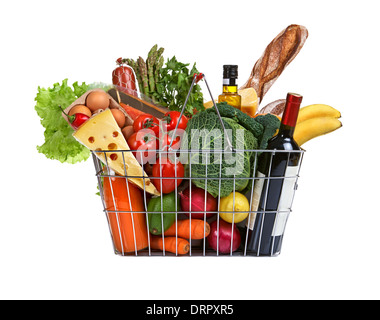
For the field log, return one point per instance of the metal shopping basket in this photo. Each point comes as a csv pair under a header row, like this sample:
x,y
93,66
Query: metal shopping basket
x,y
260,233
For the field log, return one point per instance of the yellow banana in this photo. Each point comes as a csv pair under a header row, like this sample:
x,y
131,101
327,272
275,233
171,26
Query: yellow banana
x,y
314,127
317,110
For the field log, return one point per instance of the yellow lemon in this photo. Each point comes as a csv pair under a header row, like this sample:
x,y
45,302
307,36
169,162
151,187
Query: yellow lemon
x,y
240,210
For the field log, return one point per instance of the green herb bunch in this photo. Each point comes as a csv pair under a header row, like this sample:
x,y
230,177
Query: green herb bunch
x,y
174,85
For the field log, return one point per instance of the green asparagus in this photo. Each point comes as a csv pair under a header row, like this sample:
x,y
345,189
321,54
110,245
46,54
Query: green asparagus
x,y
133,64
144,75
151,60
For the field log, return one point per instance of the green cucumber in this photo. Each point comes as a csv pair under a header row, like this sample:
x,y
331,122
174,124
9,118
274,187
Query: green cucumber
x,y
162,217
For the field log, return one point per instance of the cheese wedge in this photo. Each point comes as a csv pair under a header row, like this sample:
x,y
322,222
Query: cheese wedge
x,y
101,133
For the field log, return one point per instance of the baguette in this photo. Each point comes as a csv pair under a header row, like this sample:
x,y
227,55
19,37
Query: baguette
x,y
276,57
276,107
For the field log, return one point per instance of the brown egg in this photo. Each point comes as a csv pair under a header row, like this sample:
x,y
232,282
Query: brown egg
x,y
80,108
127,132
119,117
97,100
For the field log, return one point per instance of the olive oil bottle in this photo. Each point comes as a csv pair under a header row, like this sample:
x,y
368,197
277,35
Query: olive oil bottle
x,y
230,87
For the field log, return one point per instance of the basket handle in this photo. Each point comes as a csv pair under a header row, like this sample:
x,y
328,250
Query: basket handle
x,y
196,78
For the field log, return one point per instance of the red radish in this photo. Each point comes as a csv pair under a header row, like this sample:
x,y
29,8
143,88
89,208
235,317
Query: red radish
x,y
197,199
225,234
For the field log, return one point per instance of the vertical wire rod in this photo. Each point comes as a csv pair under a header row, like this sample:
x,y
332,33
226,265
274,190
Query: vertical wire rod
x,y
182,111
265,202
114,203
130,204
220,117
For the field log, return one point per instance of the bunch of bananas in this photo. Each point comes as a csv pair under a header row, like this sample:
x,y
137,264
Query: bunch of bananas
x,y
316,120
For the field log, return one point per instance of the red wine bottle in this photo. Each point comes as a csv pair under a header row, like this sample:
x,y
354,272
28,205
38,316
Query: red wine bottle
x,y
273,192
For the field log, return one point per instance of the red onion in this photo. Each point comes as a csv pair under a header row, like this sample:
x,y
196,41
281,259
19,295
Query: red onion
x,y
198,197
225,233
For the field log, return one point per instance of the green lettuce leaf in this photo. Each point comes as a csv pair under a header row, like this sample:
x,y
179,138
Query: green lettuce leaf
x,y
59,142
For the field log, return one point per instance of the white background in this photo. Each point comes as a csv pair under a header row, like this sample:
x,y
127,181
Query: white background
x,y
54,240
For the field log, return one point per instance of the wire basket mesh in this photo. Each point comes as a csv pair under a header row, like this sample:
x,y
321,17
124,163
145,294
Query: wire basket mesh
x,y
126,207
146,223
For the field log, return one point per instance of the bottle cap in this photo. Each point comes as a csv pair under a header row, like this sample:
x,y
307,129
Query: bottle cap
x,y
230,71
292,106
294,98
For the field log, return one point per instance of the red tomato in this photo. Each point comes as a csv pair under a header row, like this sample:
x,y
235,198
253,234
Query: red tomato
x,y
146,121
145,142
167,139
167,170
172,118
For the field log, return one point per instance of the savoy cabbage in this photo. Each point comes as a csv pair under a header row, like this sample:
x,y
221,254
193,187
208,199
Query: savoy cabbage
x,y
208,156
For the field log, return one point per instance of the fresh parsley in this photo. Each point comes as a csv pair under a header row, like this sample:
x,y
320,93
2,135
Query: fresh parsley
x,y
174,83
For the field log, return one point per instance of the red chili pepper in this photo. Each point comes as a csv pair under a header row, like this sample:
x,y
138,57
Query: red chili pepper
x,y
77,119
124,78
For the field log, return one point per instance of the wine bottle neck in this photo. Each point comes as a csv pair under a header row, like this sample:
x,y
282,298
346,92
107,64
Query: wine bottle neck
x,y
286,131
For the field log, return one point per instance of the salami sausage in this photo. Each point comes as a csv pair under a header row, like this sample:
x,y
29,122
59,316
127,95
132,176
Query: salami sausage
x,y
124,78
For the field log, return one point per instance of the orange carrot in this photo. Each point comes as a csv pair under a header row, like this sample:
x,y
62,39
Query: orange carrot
x,y
198,229
129,231
182,245
132,112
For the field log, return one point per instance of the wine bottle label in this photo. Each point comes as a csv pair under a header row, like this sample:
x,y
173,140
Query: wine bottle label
x,y
286,199
257,190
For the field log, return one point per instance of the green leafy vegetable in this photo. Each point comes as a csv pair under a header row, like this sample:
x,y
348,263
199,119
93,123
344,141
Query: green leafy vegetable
x,y
205,132
263,127
59,142
174,85
100,85
270,123
242,118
